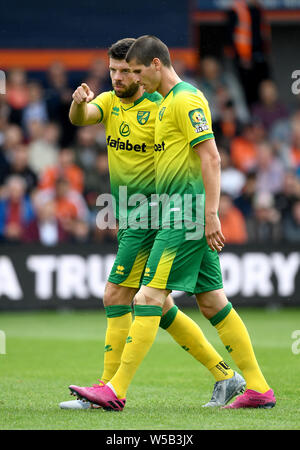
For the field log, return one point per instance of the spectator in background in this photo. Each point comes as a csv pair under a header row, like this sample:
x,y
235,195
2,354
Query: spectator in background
x,y
264,226
81,231
243,149
183,73
43,145
13,137
45,228
228,127
291,224
244,202
247,45
91,158
295,142
58,98
285,138
58,88
270,170
289,193
86,148
16,210
4,116
232,221
280,138
221,87
101,136
36,109
19,166
69,203
69,212
295,105
65,208
65,168
269,109
17,95
232,179
98,75
4,167
97,181
259,132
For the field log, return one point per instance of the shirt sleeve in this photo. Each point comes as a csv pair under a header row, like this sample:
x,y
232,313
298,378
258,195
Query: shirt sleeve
x,y
193,117
103,103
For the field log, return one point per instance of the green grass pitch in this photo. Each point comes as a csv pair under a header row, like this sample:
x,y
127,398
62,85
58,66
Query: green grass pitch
x,y
47,351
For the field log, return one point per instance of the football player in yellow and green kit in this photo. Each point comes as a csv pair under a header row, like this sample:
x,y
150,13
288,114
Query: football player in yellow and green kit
x,y
128,114
183,257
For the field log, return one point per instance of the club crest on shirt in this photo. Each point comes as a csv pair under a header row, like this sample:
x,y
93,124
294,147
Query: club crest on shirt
x,y
143,116
198,120
161,113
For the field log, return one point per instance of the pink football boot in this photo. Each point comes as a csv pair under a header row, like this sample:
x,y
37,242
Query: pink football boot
x,y
253,399
101,395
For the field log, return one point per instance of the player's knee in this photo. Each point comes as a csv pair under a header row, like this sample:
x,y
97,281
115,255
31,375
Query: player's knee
x,y
115,294
210,303
151,296
169,303
140,299
111,295
207,312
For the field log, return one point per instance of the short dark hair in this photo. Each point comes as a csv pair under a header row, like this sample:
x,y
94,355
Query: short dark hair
x,y
146,48
119,49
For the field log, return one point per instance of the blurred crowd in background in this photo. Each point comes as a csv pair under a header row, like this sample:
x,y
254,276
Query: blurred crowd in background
x,y
52,172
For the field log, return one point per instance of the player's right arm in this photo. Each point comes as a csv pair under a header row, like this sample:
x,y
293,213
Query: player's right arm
x,y
194,120
81,112
211,175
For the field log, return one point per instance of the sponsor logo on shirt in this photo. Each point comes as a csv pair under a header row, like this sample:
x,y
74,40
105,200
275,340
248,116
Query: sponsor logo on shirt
x,y
124,129
125,145
160,147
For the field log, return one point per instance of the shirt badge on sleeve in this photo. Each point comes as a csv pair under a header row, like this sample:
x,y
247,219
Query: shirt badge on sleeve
x,y
198,120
